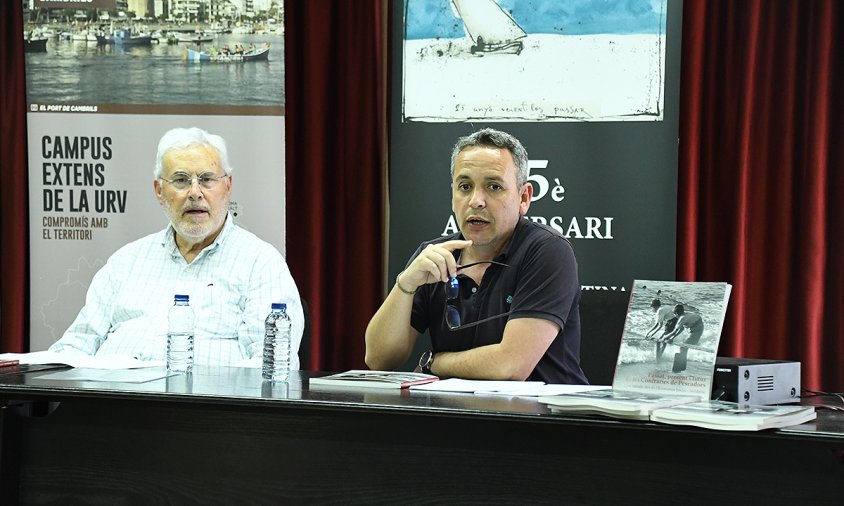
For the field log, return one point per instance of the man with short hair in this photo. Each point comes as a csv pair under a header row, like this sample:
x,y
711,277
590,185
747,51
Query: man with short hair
x,y
231,276
500,298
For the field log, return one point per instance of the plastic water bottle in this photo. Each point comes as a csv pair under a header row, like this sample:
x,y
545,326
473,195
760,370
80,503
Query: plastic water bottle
x,y
277,328
180,322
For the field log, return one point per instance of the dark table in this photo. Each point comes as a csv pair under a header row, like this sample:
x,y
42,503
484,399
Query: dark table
x,y
222,436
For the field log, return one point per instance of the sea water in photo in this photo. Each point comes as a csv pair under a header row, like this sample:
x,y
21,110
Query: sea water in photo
x,y
88,72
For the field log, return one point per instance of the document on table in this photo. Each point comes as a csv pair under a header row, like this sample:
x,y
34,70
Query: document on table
x,y
82,361
512,388
110,375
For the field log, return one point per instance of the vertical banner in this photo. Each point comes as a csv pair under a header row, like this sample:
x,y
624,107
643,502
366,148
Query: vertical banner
x,y
104,83
590,88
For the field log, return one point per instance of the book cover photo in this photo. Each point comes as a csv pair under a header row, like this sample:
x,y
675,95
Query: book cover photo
x,y
671,336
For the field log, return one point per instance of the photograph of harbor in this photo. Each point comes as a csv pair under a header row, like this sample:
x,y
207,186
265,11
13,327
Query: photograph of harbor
x,y
202,52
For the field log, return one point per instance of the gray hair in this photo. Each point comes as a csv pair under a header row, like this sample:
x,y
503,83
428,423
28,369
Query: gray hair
x,y
183,138
491,138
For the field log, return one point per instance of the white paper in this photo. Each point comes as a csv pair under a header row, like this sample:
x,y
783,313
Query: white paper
x,y
79,360
540,390
520,388
113,376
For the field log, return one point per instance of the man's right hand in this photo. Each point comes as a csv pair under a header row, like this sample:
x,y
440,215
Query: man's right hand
x,y
434,264
389,335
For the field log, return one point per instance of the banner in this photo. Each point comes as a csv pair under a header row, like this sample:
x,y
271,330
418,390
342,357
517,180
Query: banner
x,y
592,91
101,93
604,172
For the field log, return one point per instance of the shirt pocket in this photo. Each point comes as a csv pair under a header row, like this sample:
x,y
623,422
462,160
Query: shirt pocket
x,y
220,312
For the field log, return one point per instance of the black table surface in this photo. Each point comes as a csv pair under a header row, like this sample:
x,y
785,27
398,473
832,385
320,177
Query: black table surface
x,y
224,436
244,386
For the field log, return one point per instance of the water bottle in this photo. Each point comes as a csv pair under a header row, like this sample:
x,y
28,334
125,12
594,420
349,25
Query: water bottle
x,y
277,328
180,322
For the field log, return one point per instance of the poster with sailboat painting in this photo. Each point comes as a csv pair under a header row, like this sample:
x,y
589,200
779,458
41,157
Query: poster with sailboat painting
x,y
533,60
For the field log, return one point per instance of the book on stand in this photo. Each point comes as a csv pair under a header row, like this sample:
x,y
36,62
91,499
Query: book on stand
x,y
670,339
373,379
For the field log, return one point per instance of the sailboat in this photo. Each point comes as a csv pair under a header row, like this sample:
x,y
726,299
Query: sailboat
x,y
491,29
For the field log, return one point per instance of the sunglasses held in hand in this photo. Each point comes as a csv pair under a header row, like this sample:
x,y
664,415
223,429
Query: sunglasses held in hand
x,y
452,298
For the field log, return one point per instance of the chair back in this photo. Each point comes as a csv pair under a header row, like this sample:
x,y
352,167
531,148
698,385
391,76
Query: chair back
x,y
602,315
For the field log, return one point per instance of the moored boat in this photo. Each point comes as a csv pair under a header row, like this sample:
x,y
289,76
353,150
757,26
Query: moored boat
x,y
125,37
214,56
35,45
195,38
84,36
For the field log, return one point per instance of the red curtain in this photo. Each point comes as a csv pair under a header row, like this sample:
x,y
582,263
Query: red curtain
x,y
335,123
761,179
14,252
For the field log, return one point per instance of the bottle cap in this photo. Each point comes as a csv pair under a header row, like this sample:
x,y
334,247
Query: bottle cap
x,y
278,306
181,298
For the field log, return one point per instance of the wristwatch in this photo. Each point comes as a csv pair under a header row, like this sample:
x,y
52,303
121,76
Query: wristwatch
x,y
425,362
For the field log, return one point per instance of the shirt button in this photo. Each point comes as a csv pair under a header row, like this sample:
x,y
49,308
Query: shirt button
x,y
474,289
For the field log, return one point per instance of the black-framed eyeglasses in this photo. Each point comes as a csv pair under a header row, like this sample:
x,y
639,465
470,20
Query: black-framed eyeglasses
x,y
452,295
206,181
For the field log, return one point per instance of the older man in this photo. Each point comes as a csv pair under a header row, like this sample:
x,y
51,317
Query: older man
x,y
501,297
231,276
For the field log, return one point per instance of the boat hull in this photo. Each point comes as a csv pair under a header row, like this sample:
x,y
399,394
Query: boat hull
x,y
193,56
124,38
35,45
194,40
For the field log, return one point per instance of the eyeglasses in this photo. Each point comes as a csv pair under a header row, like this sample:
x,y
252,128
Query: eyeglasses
x,y
452,295
206,181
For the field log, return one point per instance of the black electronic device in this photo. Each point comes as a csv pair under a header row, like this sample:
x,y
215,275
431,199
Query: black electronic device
x,y
756,381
